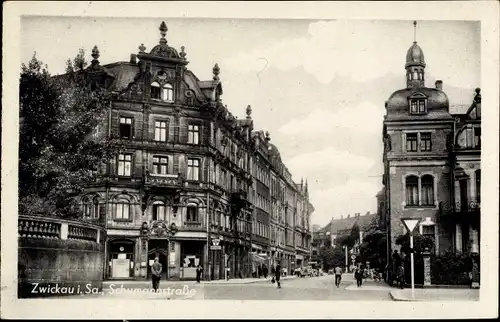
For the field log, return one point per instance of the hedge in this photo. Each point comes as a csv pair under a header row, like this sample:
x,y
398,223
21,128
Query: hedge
x,y
451,269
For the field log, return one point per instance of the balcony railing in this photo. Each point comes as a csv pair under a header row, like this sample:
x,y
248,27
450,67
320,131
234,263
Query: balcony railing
x,y
164,181
467,206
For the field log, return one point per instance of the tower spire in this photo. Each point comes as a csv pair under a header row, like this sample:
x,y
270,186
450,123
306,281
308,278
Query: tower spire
x,y
414,31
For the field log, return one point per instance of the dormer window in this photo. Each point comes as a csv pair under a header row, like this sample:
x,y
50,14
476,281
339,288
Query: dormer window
x,y
155,90
168,93
418,104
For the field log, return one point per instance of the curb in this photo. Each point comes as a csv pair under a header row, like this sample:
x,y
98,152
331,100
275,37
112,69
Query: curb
x,y
249,282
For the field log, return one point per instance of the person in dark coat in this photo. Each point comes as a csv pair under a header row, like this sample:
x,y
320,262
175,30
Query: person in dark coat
x,y
277,274
264,271
199,272
156,269
358,275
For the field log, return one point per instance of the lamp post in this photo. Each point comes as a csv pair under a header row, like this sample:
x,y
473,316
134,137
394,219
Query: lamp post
x,y
410,224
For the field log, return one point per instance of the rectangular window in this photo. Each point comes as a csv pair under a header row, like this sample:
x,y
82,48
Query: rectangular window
x,y
411,142
193,134
159,212
477,137
122,211
161,131
421,106
124,164
160,165
425,142
125,127
193,170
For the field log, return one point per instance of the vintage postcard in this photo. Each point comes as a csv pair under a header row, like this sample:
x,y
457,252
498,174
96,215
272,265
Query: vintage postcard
x,y
250,160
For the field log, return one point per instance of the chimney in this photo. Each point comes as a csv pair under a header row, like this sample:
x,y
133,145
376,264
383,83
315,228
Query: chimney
x,y
439,85
133,58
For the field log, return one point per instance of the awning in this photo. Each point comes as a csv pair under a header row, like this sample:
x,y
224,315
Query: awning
x,y
259,258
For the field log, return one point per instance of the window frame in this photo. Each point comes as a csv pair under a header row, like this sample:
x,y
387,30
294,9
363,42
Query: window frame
x,y
159,163
192,134
430,184
412,135
160,128
122,203
158,90
124,161
154,209
168,88
198,161
416,203
427,148
131,127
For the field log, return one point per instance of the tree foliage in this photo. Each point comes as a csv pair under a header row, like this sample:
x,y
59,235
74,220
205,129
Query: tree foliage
x,y
332,257
420,243
374,249
58,153
350,239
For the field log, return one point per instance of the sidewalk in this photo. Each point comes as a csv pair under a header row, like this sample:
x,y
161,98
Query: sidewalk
x,y
435,294
106,284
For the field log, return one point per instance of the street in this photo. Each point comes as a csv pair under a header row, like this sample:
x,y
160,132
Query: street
x,y
309,288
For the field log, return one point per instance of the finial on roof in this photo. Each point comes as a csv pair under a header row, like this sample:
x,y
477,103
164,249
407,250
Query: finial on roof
x,y
477,98
249,112
95,55
216,71
414,31
182,54
163,32
142,48
268,137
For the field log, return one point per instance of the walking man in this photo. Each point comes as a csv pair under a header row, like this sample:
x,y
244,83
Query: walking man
x,y
358,275
199,271
156,274
278,274
338,275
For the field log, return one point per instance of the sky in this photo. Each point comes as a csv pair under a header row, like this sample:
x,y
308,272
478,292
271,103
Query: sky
x,y
318,86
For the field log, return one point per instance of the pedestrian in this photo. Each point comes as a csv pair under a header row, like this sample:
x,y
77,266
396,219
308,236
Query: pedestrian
x,y
264,270
156,269
278,274
358,275
259,270
401,276
338,275
199,271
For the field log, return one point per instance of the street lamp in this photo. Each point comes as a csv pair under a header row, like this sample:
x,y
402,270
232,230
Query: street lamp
x,y
410,224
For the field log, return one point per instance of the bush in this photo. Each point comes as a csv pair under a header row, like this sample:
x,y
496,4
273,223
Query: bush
x,y
451,269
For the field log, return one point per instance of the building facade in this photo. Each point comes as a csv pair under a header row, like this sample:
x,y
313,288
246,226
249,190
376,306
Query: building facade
x,y
431,164
192,185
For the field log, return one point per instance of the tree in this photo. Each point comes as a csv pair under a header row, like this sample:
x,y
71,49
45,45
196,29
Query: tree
x,y
420,243
374,249
332,257
58,153
350,239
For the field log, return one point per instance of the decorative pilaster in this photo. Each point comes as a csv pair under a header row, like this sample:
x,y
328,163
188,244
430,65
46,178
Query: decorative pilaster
x,y
427,267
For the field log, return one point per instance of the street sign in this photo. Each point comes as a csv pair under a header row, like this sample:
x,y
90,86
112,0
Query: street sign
x,y
213,247
410,223
353,257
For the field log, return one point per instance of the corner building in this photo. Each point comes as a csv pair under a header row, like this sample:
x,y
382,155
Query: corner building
x,y
187,161
431,164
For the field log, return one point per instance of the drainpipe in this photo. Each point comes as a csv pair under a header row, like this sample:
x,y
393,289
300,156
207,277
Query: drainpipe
x,y
207,215
108,169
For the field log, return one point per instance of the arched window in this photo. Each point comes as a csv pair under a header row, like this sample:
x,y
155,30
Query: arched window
x,y
412,191
87,207
122,209
192,214
159,211
427,190
168,93
478,185
95,207
155,90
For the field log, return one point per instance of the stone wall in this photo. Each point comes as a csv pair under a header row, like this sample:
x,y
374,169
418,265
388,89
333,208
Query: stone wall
x,y
58,257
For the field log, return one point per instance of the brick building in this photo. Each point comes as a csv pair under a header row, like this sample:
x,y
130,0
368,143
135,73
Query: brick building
x,y
422,170
189,166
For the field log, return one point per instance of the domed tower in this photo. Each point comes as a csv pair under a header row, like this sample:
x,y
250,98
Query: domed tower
x,y
415,64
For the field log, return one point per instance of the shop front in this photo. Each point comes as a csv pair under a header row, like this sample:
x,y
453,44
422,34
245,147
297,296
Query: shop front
x,y
121,263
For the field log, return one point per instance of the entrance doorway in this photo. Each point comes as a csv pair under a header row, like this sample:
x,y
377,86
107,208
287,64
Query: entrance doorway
x,y
158,248
191,257
121,258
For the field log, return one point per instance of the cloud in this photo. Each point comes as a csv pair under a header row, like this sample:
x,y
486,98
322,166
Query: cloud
x,y
349,198
363,50
366,118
